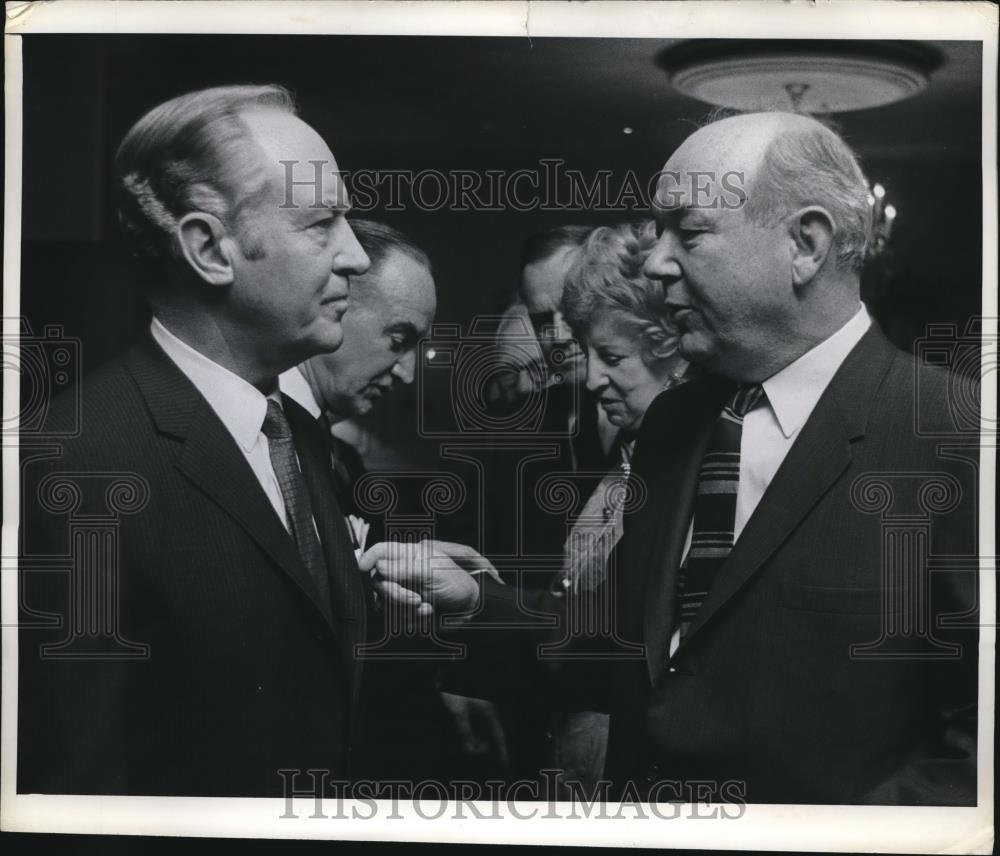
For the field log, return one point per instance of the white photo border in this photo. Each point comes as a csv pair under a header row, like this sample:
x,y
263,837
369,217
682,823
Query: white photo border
x,y
769,827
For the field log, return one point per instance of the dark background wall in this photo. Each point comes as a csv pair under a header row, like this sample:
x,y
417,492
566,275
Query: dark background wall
x,y
460,103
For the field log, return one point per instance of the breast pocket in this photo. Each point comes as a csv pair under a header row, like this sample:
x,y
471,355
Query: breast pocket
x,y
833,674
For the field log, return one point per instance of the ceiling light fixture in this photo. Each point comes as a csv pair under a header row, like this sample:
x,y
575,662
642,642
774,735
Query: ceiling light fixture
x,y
806,76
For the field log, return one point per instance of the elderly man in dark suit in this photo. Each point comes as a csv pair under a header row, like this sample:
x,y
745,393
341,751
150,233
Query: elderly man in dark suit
x,y
209,645
798,644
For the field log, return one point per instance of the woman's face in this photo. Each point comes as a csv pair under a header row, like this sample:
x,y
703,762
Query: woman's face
x,y
625,383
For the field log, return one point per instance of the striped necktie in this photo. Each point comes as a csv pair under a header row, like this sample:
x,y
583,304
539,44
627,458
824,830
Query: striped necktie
x,y
714,505
295,493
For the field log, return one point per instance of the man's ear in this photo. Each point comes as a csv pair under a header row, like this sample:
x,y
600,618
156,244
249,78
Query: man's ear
x,y
207,247
811,230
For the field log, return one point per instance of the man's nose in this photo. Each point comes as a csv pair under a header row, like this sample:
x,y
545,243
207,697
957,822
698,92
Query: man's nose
x,y
661,263
404,367
350,257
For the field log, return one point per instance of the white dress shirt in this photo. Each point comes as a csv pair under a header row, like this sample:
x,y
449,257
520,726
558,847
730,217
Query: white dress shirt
x,y
792,394
296,387
239,405
770,429
294,384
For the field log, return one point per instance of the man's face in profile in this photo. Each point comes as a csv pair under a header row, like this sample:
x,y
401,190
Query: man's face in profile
x,y
542,284
726,280
391,309
290,291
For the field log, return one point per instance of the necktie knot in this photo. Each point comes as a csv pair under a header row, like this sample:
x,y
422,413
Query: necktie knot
x,y
276,425
745,399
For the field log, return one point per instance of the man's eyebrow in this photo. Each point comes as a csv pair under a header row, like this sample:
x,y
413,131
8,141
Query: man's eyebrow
x,y
664,216
675,211
672,216
310,212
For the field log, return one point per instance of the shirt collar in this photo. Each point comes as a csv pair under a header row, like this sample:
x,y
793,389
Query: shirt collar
x,y
794,391
294,384
240,405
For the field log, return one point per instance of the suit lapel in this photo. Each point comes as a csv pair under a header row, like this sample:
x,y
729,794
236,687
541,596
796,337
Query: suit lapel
x,y
347,584
673,451
347,593
211,460
818,457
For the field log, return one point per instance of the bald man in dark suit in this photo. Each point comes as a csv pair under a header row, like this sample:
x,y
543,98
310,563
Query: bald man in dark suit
x,y
799,584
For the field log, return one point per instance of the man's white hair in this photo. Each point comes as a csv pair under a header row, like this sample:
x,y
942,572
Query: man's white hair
x,y
806,163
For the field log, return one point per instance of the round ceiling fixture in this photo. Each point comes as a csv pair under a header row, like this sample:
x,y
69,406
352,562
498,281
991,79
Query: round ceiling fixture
x,y
807,76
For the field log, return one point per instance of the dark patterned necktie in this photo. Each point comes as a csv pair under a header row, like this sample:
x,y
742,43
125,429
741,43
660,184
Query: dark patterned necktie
x,y
714,506
295,493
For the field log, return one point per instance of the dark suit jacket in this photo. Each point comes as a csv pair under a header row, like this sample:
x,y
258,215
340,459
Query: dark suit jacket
x,y
766,691
246,672
404,730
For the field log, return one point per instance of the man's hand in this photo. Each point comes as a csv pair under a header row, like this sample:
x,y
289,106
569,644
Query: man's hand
x,y
429,576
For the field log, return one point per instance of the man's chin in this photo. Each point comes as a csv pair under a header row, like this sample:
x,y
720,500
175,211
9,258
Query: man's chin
x,y
695,349
329,338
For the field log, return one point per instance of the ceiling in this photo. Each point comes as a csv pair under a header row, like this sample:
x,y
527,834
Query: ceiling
x,y
543,95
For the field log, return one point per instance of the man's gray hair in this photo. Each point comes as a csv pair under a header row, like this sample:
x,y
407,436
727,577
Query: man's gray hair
x,y
378,240
808,164
191,154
